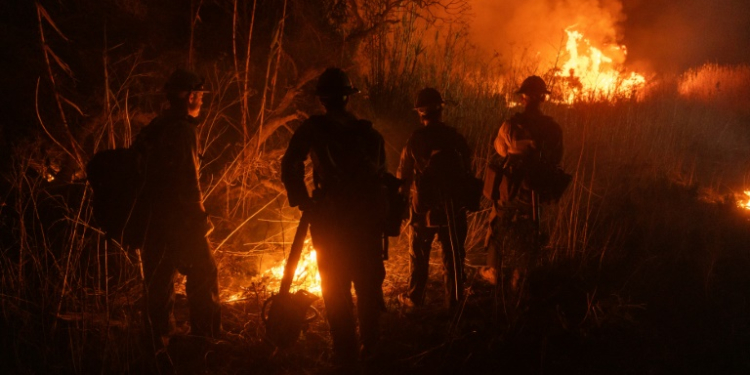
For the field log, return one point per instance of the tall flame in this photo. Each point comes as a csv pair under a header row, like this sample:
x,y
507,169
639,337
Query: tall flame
x,y
592,75
745,201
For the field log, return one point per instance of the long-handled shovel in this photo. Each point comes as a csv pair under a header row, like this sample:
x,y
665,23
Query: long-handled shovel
x,y
288,316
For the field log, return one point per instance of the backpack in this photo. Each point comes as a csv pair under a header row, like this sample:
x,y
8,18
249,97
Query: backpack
x,y
116,178
548,180
349,165
347,158
444,179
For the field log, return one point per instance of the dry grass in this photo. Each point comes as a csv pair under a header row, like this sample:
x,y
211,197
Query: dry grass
x,y
722,86
649,214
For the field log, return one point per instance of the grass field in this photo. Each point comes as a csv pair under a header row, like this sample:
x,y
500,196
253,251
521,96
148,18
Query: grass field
x,y
645,270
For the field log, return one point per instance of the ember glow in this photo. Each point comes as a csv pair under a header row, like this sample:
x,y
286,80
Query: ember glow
x,y
590,74
744,202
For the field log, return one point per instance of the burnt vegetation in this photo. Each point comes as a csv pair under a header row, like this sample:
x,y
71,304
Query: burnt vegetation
x,y
645,270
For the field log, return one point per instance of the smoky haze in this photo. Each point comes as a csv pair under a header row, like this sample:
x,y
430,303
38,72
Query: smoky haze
x,y
534,30
660,36
676,35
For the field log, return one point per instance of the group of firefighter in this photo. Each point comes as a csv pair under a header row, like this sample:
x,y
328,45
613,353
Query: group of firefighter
x,y
347,208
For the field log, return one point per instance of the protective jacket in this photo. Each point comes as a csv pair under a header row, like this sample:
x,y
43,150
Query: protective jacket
x,y
169,145
420,146
528,135
347,154
527,140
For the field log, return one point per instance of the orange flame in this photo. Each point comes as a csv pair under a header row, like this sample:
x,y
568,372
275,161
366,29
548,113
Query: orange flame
x,y
745,201
306,276
592,75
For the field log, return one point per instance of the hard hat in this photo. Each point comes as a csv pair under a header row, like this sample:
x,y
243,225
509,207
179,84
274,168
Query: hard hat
x,y
334,82
533,85
428,97
184,80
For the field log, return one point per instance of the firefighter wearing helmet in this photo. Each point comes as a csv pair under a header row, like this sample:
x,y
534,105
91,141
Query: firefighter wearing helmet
x,y
345,211
433,166
175,223
529,143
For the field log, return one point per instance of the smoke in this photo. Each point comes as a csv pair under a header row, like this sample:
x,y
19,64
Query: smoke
x,y
534,30
660,35
672,36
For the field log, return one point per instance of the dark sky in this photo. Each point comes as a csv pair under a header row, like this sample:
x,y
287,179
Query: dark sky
x,y
672,35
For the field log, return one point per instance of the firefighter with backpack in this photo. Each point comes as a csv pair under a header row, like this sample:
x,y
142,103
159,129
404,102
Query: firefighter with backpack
x,y
531,146
175,223
436,173
148,197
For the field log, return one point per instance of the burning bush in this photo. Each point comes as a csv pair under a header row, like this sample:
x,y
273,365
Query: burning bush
x,y
591,74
